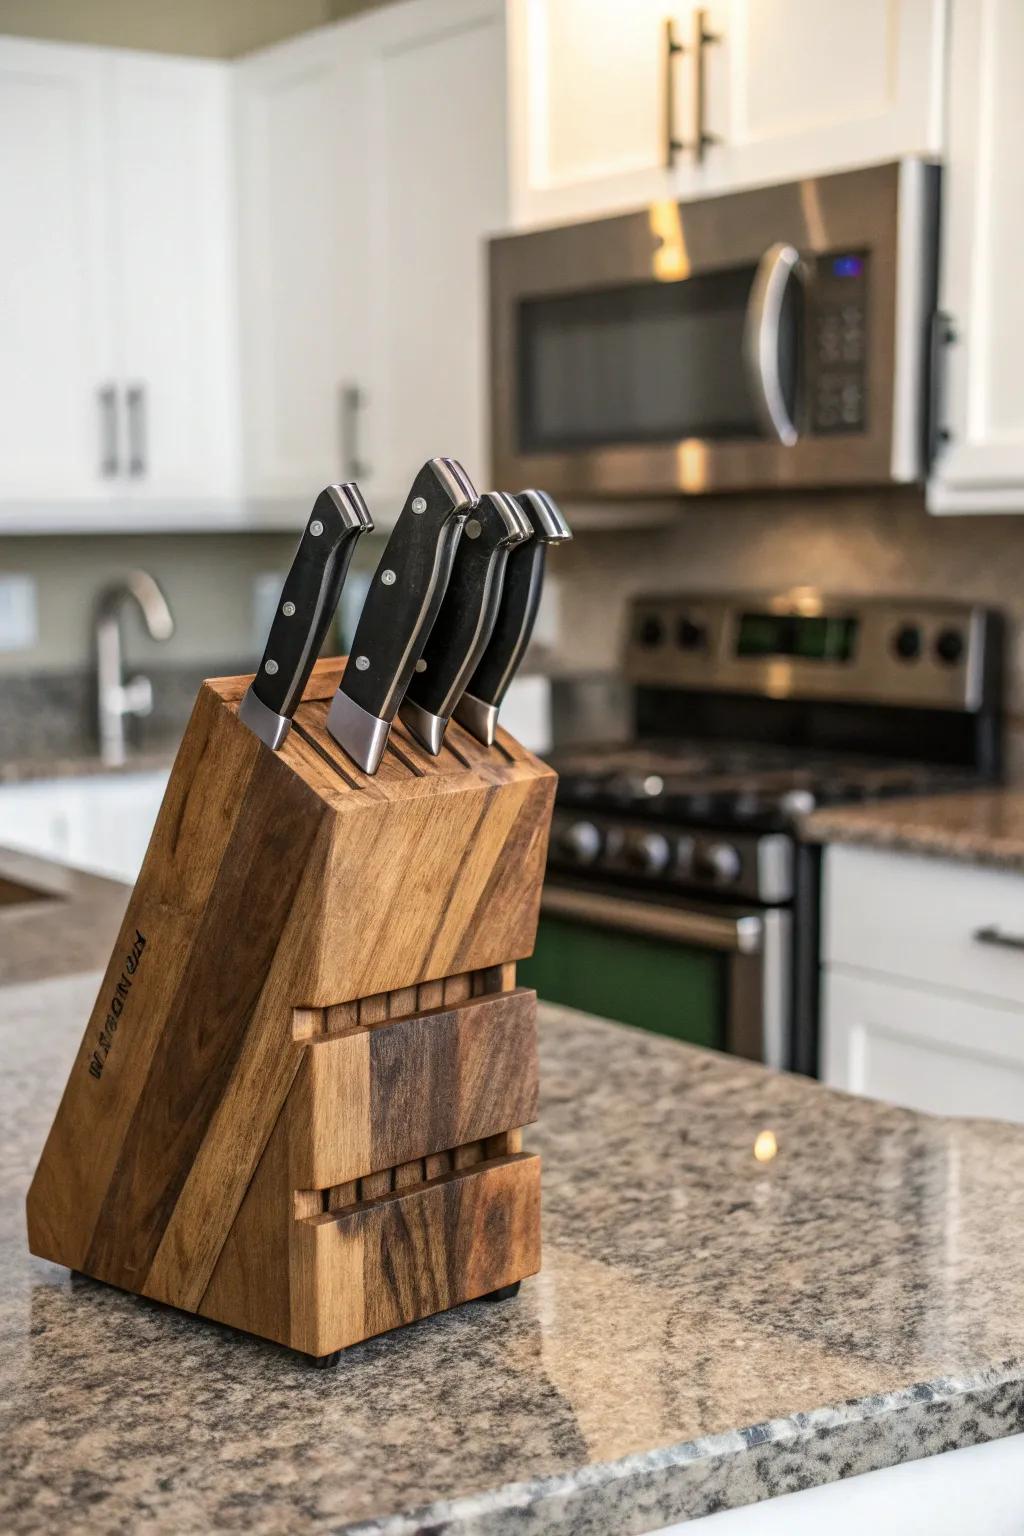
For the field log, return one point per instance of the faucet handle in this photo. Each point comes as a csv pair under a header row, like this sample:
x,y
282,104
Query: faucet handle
x,y
137,696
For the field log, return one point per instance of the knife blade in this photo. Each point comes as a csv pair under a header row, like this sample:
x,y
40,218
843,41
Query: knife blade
x,y
400,609
305,610
466,618
478,708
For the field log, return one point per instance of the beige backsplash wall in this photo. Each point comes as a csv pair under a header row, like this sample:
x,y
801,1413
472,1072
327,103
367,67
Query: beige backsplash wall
x,y
881,543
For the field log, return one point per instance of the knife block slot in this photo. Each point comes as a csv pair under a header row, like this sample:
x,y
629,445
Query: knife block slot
x,y
405,1177
306,1119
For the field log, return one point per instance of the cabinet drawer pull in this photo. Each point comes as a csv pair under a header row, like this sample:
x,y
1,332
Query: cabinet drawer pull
x,y
135,404
107,397
994,935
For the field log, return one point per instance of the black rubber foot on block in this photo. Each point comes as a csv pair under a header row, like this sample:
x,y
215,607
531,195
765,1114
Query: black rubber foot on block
x,y
326,1362
505,1293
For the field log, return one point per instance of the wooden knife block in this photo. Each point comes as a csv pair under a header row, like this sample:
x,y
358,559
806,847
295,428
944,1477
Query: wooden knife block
x,y
297,1104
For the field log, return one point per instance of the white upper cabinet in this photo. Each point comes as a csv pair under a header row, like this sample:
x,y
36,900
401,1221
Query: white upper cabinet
x,y
372,165
175,284
980,463
772,89
434,88
115,275
302,148
56,349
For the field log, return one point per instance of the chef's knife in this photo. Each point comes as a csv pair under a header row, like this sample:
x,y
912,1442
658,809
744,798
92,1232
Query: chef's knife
x,y
466,618
478,708
305,610
400,610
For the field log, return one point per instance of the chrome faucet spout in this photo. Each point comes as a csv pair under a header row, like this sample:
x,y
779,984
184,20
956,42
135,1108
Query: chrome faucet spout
x,y
117,698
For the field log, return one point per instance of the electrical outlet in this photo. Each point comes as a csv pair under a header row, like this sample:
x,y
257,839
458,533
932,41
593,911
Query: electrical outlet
x,y
19,618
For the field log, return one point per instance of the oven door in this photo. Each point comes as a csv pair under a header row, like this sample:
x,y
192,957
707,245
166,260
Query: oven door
x,y
716,976
767,339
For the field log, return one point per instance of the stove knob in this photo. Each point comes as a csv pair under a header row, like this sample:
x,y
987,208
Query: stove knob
x,y
581,840
649,852
797,802
721,861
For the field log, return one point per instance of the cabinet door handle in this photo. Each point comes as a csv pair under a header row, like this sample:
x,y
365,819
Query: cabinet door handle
x,y
135,406
699,138
941,334
353,402
992,934
107,397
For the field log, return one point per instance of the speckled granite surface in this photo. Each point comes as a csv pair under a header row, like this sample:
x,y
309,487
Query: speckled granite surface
x,y
981,826
53,920
708,1330
87,765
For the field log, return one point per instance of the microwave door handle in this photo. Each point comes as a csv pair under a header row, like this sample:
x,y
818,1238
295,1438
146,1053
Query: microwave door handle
x,y
762,340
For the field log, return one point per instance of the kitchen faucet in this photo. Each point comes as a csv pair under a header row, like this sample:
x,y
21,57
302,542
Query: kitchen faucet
x,y
115,697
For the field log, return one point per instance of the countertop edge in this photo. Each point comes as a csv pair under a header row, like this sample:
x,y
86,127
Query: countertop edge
x,y
904,827
700,1477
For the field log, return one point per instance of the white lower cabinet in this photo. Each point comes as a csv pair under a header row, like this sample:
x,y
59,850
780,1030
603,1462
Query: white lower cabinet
x,y
101,824
923,984
923,1048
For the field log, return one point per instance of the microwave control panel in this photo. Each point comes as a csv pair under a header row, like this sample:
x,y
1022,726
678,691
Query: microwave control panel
x,y
838,318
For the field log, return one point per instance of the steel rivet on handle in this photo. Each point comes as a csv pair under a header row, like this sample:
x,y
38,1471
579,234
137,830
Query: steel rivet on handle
x,y
472,529
316,528
270,666
288,610
419,504
362,663
421,665
388,578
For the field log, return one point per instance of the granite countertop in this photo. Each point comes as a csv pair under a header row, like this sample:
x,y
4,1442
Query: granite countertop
x,y
982,826
54,921
708,1329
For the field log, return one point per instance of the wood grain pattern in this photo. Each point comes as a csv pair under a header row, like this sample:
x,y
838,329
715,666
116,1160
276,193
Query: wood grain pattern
x,y
421,1251
290,905
408,1088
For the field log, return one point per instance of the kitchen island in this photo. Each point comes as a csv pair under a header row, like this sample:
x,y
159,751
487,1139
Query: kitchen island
x,y
983,826
751,1285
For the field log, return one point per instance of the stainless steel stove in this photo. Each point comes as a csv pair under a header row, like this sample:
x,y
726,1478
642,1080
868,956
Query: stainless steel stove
x,y
679,893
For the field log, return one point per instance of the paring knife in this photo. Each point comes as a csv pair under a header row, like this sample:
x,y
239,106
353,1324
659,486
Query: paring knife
x,y
400,610
478,708
304,613
466,618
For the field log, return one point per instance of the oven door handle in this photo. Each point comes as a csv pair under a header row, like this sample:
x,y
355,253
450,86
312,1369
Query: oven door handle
x,y
742,934
762,339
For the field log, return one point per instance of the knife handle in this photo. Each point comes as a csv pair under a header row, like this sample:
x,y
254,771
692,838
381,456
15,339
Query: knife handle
x,y
310,596
524,584
407,589
471,604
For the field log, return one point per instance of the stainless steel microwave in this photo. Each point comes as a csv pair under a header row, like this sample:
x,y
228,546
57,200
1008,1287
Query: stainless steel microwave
x,y
770,339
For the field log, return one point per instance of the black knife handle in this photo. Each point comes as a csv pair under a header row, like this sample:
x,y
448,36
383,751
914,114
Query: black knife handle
x,y
523,585
310,596
407,588
471,604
